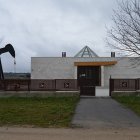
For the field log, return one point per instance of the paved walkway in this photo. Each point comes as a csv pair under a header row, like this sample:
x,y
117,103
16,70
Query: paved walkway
x,y
104,113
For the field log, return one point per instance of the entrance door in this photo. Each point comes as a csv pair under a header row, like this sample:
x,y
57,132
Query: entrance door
x,y
87,90
88,77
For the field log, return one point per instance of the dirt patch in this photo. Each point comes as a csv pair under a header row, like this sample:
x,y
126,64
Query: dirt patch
x,y
67,134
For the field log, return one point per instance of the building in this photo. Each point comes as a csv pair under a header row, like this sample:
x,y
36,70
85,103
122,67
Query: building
x,y
91,71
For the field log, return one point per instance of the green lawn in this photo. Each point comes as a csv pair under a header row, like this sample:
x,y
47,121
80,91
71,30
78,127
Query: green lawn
x,y
37,112
132,102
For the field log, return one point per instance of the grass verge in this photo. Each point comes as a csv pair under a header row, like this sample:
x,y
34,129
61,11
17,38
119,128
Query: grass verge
x,y
37,112
132,102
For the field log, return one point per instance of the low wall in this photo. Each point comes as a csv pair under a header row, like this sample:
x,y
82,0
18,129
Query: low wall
x,y
39,85
124,86
39,93
125,93
101,91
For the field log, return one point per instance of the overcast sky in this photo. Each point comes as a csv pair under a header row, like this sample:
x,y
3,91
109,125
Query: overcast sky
x,y
44,28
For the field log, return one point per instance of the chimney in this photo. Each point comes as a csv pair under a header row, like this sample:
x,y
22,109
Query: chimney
x,y
112,54
63,54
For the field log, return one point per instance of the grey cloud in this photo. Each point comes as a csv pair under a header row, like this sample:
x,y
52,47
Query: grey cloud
x,y
48,27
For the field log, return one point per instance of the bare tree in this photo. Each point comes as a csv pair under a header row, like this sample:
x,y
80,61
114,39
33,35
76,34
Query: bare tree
x,y
124,35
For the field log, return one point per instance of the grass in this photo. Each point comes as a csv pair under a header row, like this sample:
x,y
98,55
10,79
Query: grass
x,y
132,102
37,112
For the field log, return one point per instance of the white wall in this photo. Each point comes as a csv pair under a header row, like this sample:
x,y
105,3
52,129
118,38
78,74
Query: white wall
x,y
101,91
63,68
57,67
52,68
128,68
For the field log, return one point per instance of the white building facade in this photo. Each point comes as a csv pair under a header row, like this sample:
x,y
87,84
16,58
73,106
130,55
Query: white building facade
x,y
95,69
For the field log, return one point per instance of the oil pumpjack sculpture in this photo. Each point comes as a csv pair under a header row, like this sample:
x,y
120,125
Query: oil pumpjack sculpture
x,y
8,48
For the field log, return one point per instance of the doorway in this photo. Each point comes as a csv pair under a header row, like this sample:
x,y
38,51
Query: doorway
x,y
88,77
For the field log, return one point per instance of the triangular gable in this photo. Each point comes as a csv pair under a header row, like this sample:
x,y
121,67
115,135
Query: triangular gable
x,y
86,52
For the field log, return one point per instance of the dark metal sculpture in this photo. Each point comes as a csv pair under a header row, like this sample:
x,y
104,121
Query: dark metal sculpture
x,y
8,48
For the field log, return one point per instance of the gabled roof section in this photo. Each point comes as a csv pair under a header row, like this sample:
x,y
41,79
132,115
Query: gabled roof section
x,y
86,52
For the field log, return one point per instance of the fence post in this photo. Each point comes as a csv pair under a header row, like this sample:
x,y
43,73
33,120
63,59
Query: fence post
x,y
55,84
29,85
138,84
5,85
111,85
